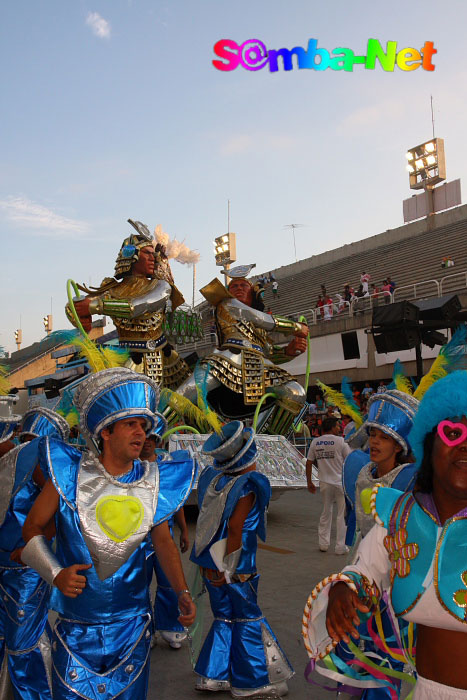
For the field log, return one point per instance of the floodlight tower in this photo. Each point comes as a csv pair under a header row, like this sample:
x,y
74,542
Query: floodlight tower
x,y
427,167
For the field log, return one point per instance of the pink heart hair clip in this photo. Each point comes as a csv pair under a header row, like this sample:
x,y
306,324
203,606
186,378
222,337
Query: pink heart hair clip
x,y
446,427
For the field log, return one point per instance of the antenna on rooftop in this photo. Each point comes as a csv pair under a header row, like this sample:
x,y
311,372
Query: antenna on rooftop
x,y
293,227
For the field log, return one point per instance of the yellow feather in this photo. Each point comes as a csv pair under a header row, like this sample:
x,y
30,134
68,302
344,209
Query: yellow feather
x,y
207,422
403,384
338,399
5,385
437,371
99,358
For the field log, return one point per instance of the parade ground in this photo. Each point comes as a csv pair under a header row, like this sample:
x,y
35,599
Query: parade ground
x,y
290,565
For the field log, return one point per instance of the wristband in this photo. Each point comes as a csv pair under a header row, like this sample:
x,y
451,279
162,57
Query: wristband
x,y
185,590
38,555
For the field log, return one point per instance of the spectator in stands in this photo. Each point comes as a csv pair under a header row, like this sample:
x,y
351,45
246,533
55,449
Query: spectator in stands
x,y
447,262
340,303
328,308
367,391
374,291
275,289
323,291
348,291
392,284
381,387
348,425
320,405
269,311
313,426
386,289
319,306
364,280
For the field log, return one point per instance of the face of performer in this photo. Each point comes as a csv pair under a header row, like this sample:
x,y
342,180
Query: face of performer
x,y
149,449
383,450
242,290
144,266
124,443
450,465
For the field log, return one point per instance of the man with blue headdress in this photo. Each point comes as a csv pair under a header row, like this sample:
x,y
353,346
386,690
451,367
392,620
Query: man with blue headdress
x,y
24,594
104,507
241,652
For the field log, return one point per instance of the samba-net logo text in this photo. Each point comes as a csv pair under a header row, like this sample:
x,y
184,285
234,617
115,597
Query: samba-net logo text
x,y
253,55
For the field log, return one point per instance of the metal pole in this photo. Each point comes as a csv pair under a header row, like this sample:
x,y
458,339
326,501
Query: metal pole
x,y
194,284
419,361
294,243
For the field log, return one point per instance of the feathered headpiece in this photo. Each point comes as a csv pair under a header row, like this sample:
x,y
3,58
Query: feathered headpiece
x,y
343,401
98,357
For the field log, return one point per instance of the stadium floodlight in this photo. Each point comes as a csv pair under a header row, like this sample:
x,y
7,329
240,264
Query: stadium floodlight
x,y
428,164
47,321
225,249
18,338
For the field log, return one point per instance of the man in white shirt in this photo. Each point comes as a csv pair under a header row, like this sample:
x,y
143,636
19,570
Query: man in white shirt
x,y
328,453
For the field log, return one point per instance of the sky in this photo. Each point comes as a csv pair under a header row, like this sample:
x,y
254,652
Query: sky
x,y
112,109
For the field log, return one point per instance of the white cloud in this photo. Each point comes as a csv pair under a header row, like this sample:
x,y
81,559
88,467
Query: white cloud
x,y
22,211
99,25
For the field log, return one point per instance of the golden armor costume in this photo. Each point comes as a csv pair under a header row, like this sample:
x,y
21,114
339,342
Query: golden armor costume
x,y
246,362
137,305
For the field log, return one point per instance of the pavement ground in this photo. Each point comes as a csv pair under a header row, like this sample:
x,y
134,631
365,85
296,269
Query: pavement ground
x,y
290,565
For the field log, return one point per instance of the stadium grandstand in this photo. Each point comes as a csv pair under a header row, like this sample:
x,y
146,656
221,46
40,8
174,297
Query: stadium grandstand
x,y
411,255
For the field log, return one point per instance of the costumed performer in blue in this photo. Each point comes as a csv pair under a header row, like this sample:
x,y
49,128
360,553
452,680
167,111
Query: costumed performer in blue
x,y
24,594
104,506
417,549
166,612
240,653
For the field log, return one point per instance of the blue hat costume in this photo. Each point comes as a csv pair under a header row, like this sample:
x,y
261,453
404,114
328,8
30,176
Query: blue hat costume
x,y
8,421
234,449
115,394
393,413
445,399
43,422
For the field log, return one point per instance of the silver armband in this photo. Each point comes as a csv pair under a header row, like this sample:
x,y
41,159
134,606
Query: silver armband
x,y
38,555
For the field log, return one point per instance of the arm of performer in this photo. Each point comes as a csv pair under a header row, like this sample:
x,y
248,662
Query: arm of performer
x,y
234,537
371,566
169,558
155,300
181,522
279,324
37,553
310,463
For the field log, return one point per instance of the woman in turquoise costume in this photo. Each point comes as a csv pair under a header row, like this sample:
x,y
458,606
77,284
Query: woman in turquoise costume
x,y
417,550
24,595
240,653
104,506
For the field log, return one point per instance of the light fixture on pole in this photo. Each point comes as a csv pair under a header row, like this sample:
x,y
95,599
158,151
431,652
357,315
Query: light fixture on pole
x,y
225,248
47,321
426,164
18,338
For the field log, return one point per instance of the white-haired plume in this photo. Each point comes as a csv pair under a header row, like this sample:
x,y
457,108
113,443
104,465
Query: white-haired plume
x,y
174,249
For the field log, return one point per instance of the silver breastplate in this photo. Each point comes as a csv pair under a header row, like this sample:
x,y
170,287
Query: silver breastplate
x,y
115,517
210,515
366,480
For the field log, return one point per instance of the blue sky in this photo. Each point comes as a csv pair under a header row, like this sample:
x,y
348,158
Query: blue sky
x,y
112,109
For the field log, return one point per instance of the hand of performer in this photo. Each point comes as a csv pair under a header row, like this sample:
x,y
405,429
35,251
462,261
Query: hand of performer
x,y
303,332
16,555
184,541
341,616
82,309
296,346
70,582
187,610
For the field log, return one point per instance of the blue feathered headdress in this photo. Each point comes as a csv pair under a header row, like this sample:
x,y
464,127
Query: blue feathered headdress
x,y
445,399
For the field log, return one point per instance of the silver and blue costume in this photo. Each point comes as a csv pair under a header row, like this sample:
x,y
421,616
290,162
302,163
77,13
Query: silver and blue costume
x,y
24,594
241,651
101,640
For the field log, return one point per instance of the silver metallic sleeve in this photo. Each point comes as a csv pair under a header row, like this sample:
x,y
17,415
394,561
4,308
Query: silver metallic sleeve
x,y
38,555
242,312
155,300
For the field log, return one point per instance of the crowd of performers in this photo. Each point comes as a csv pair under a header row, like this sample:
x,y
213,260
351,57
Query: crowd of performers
x,y
82,530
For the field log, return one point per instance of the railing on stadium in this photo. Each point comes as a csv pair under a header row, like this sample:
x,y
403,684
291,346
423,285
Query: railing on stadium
x,y
417,290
